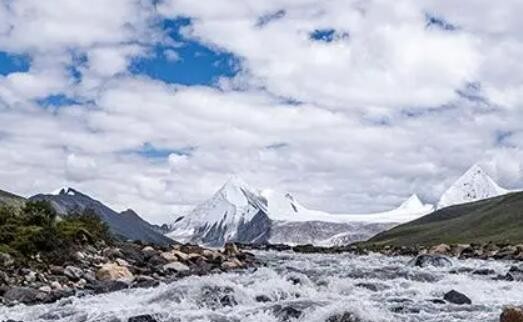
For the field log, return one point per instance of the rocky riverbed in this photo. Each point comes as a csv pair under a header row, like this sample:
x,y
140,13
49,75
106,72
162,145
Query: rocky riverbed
x,y
485,251
96,270
309,287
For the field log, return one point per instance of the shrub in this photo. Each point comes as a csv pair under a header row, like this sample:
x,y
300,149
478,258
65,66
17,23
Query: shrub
x,y
35,229
39,213
86,227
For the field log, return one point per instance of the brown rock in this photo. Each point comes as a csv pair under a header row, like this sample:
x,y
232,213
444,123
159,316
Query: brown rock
x,y
456,250
441,249
169,256
232,264
113,272
511,314
230,249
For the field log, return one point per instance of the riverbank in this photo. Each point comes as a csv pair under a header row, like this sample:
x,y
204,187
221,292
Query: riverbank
x,y
484,251
101,269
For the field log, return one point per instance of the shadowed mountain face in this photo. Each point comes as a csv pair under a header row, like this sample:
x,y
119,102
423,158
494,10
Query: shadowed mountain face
x,y
125,225
498,219
10,199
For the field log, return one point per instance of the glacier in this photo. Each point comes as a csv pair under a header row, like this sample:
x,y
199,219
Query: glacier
x,y
238,212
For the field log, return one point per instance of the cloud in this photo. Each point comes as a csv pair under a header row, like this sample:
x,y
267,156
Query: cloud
x,y
382,107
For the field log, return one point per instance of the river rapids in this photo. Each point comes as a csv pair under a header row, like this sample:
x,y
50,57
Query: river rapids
x,y
299,287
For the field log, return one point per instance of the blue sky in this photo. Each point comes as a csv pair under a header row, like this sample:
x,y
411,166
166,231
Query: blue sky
x,y
11,63
193,62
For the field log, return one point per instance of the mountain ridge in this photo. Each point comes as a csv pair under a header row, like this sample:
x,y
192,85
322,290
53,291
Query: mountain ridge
x,y
241,213
127,224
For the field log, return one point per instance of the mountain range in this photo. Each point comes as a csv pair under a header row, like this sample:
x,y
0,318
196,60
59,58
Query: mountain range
x,y
241,213
238,212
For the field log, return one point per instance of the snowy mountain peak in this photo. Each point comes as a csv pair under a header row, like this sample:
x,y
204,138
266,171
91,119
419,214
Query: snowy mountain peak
x,y
241,213
412,203
236,191
474,185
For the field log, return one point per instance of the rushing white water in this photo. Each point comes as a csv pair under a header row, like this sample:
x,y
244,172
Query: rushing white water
x,y
317,285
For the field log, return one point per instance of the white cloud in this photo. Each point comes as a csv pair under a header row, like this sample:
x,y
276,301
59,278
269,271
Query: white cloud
x,y
380,116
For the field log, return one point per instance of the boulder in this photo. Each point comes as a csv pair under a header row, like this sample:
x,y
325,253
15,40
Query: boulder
x,y
430,260
287,313
511,314
113,272
230,249
176,266
6,260
169,256
456,297
232,264
149,252
142,318
181,255
515,273
343,317
143,281
24,295
262,298
441,249
507,252
228,300
101,287
121,262
483,271
456,250
73,273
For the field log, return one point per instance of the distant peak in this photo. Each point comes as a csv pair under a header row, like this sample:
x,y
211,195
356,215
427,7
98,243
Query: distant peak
x,y
475,169
413,202
65,191
475,184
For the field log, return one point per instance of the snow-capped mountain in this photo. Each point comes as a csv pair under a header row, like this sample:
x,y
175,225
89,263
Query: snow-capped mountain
x,y
474,185
238,212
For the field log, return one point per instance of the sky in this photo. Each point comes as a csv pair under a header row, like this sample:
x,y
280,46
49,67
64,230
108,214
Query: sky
x,y
350,105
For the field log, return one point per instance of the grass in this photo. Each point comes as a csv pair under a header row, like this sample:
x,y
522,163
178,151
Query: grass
x,y
498,220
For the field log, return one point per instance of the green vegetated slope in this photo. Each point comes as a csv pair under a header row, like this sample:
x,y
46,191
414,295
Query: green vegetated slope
x,y
9,199
498,219
35,229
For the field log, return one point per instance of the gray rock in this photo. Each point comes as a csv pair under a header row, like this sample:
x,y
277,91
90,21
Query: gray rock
x,y
73,273
142,318
430,260
456,297
343,317
176,266
109,286
287,313
6,260
262,298
24,295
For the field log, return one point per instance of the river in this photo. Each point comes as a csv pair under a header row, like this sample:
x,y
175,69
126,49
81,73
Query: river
x,y
299,287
